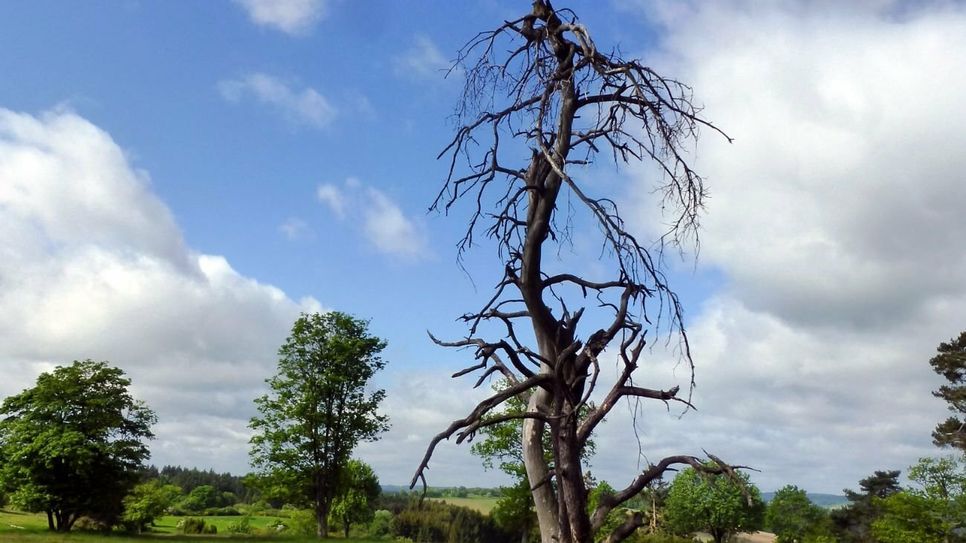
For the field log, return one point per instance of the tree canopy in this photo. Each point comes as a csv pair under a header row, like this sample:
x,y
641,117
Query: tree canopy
x,y
716,503
356,502
951,364
319,408
73,445
853,523
791,516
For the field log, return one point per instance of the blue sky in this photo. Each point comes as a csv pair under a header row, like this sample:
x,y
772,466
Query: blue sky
x,y
179,179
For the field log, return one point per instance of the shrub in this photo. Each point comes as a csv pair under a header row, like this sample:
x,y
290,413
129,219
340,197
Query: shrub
x,y
192,525
243,526
88,524
381,525
302,522
222,512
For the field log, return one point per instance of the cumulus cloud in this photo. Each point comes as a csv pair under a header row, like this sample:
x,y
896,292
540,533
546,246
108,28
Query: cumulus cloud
x,y
382,221
93,265
300,107
835,219
294,17
422,60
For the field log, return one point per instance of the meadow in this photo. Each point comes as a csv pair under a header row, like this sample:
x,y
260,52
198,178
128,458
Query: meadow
x,y
483,504
32,528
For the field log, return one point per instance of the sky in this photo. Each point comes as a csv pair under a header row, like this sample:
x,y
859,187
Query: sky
x,y
179,180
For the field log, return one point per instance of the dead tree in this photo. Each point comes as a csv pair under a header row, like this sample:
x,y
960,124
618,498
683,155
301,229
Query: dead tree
x,y
539,92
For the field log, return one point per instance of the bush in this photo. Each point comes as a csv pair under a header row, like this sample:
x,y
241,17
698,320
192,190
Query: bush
x,y
192,525
222,512
381,525
302,522
243,526
87,524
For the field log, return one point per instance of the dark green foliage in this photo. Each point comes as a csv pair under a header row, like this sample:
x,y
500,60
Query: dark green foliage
x,y
951,364
192,525
792,516
190,478
852,524
318,410
439,522
73,444
716,504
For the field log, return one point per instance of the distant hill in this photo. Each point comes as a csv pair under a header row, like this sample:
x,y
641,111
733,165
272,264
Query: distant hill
x,y
828,501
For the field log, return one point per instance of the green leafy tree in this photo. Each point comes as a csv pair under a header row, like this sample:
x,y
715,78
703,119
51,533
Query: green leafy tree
x,y
318,409
792,516
356,503
146,502
73,444
934,510
852,524
951,364
716,503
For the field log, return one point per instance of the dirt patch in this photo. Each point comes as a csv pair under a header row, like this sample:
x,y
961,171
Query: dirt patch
x,y
757,537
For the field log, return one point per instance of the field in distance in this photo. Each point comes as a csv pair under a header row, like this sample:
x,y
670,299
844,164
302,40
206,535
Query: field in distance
x,y
483,504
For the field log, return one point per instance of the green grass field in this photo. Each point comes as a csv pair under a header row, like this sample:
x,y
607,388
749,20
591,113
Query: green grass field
x,y
32,528
482,504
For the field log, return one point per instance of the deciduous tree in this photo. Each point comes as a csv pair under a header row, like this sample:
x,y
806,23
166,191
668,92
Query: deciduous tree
x,y
712,503
791,516
73,445
319,408
951,364
146,502
360,490
541,100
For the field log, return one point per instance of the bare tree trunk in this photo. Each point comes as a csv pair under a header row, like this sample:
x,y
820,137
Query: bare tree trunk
x,y
538,473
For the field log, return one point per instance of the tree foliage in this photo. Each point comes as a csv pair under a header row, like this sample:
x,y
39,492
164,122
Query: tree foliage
x,y
792,516
951,364
73,444
319,408
717,504
541,101
853,523
356,503
934,510
146,502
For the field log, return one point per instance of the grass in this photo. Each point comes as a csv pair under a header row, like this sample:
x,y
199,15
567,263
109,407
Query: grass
x,y
17,527
483,504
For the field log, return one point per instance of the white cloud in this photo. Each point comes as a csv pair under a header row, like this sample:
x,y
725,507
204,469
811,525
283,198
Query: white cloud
x,y
94,266
836,220
423,60
294,17
389,230
332,197
383,223
299,107
294,228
